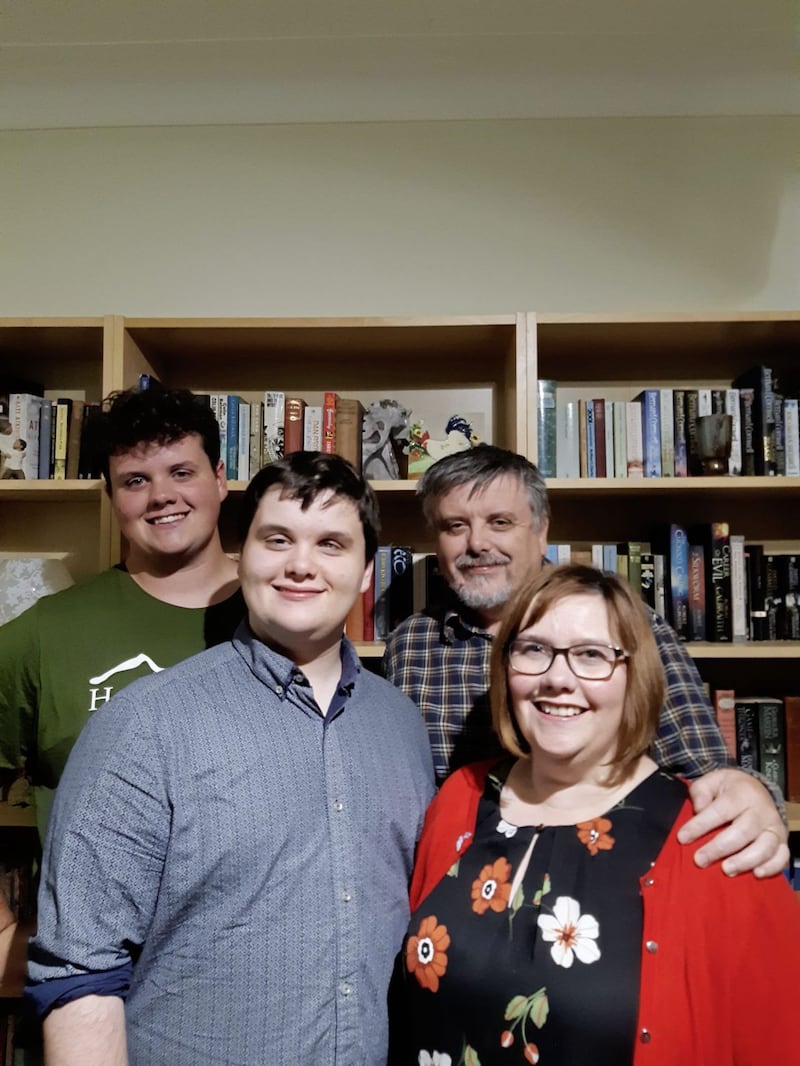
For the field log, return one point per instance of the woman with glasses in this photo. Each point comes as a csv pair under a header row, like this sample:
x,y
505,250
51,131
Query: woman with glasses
x,y
555,916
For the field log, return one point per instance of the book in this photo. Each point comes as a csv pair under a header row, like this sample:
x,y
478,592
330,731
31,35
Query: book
x,y
697,592
747,399
621,442
312,428
759,378
601,464
546,427
591,439
746,718
89,466
734,409
567,449
348,429
274,426
256,437
691,401
739,627
634,439
329,404
382,580
354,622
401,585
704,405
294,424
368,596
45,435
667,424
583,440
660,585
772,741
610,558
25,412
61,413
780,437
715,539
788,571
651,431
74,436
756,594
676,578
791,432
679,437
232,437
725,712
772,599
648,578
243,448
791,707
632,550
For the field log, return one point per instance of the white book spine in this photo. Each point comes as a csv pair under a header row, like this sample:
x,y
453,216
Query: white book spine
x,y
567,452
633,433
243,457
611,459
733,408
597,556
620,439
738,588
704,402
564,553
791,432
274,414
312,428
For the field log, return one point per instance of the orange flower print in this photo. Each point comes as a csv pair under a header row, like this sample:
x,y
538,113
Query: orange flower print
x,y
595,836
426,953
492,887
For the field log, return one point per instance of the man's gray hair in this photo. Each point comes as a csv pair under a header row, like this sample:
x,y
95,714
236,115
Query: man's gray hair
x,y
479,466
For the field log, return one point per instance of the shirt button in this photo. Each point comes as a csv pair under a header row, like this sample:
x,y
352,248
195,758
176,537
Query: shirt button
x,y
338,806
645,1036
652,946
346,897
279,690
345,988
649,882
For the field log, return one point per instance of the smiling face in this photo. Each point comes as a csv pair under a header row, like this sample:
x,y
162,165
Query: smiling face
x,y
488,542
567,721
302,571
166,499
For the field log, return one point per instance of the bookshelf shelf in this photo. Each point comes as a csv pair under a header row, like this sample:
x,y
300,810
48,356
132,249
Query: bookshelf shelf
x,y
777,649
50,490
718,486
793,817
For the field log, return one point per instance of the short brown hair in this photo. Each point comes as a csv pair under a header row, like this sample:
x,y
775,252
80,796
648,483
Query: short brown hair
x,y
630,624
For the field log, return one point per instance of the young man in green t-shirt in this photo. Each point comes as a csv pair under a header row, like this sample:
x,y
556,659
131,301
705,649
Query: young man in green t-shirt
x,y
176,593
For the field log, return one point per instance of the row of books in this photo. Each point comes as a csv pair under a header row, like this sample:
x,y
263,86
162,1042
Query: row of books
x,y
710,584
403,583
257,433
43,437
655,433
763,733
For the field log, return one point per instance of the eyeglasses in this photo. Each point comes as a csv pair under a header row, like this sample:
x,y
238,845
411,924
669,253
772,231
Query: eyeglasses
x,y
590,662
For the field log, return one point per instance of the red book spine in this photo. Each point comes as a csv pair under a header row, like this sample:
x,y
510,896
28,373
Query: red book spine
x,y
329,423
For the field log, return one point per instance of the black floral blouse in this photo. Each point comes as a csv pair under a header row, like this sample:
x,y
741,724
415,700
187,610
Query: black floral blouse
x,y
554,977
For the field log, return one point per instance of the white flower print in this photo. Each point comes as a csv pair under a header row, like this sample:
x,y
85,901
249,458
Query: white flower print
x,y
434,1058
570,932
506,828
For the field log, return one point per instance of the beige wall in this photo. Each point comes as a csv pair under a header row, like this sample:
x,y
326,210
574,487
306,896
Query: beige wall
x,y
449,217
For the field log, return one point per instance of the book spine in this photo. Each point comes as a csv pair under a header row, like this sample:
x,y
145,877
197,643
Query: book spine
x,y
274,424
25,411
61,412
746,734
591,441
756,597
651,432
648,578
734,409
222,420
725,711
232,439
620,439
256,437
610,558
611,465
45,433
680,439
780,436
329,424
697,592
666,420
567,448
771,595
767,418
74,438
791,432
635,440
738,589
243,450
789,595
401,586
546,427
772,743
692,400
349,430
704,406
383,573
679,580
747,400
312,428
718,582
293,424
660,582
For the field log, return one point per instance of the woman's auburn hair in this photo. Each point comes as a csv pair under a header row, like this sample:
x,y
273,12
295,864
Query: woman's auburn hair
x,y
629,622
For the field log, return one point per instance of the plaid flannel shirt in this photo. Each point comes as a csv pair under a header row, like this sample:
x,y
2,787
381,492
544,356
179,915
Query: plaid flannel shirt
x,y
441,660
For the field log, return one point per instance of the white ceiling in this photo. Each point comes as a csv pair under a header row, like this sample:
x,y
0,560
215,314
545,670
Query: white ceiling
x,y
70,63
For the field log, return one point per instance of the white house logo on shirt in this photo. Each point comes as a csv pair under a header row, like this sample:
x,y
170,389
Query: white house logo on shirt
x,y
103,695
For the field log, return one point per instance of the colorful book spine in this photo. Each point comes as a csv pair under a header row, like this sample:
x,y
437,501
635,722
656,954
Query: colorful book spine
x,y
601,467
772,742
667,426
746,716
232,438
294,424
678,564
680,439
725,711
591,440
697,592
691,397
274,425
651,431
329,402
256,437
25,411
546,427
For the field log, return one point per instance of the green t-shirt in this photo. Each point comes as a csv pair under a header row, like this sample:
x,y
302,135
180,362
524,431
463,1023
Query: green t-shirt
x,y
69,653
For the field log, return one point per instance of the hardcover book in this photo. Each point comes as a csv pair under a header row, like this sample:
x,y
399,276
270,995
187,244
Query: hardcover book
x,y
349,430
691,399
294,424
725,711
601,466
232,438
329,443
243,449
61,413
45,436
648,578
546,427
401,585
747,399
772,741
676,578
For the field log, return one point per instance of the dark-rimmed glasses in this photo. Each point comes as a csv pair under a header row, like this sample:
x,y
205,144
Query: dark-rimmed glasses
x,y
590,662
